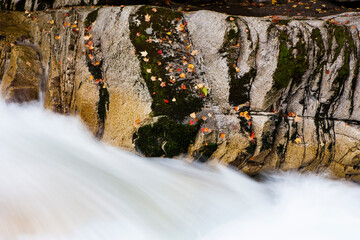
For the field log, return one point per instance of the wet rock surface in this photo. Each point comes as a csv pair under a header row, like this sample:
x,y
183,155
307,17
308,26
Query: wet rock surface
x,y
256,93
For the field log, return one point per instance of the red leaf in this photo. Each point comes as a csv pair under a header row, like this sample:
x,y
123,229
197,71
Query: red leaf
x,y
179,70
191,122
160,52
166,101
183,86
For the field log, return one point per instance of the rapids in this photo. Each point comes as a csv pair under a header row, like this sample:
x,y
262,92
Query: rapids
x,y
58,182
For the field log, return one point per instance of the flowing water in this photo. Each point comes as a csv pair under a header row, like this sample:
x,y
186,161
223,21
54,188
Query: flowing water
x,y
58,182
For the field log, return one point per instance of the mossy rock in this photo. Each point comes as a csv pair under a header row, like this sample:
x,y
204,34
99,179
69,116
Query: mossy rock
x,y
166,137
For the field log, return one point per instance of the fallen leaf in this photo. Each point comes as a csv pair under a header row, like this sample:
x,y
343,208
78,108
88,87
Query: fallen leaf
x,y
204,91
163,84
231,19
191,122
222,135
204,118
183,86
174,100
252,136
144,53
166,101
28,63
57,37
154,9
147,18
160,52
193,115
145,59
297,140
153,78
148,70
194,52
182,75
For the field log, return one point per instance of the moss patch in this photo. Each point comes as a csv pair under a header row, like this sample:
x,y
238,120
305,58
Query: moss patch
x,y
162,29
205,152
239,88
290,66
166,137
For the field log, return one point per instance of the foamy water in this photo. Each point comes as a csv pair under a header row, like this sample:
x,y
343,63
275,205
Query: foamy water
x,y
58,182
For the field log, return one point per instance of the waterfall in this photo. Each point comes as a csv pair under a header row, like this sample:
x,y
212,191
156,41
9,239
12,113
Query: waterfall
x,y
58,182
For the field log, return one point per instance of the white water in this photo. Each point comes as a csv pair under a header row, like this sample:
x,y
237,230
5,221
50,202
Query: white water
x,y
57,182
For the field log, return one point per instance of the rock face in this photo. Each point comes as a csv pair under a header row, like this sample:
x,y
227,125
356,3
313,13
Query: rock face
x,y
256,93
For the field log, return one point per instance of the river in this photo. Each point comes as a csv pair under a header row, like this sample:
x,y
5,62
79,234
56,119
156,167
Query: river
x,y
58,182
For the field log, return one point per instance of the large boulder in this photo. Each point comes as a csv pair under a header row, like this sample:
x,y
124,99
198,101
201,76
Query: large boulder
x,y
256,93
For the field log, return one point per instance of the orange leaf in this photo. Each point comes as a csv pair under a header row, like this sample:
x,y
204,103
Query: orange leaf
x,y
222,135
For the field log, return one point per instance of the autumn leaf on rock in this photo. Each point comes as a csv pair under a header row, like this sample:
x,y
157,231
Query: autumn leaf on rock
x,y
147,18
252,137
203,91
57,37
194,53
160,52
183,86
144,53
222,135
193,115
182,75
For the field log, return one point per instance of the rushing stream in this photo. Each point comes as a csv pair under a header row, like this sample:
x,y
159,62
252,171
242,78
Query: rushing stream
x,y
58,182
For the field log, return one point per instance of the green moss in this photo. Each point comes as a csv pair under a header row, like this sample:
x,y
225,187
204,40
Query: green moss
x,y
103,104
267,141
251,148
166,137
344,41
317,38
290,67
239,88
283,22
161,23
206,151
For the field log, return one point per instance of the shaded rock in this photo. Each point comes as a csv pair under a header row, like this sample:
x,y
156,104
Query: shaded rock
x,y
23,75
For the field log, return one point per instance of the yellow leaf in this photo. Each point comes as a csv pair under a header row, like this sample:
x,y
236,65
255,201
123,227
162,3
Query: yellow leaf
x,y
297,140
193,115
191,66
57,37
182,75
147,18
